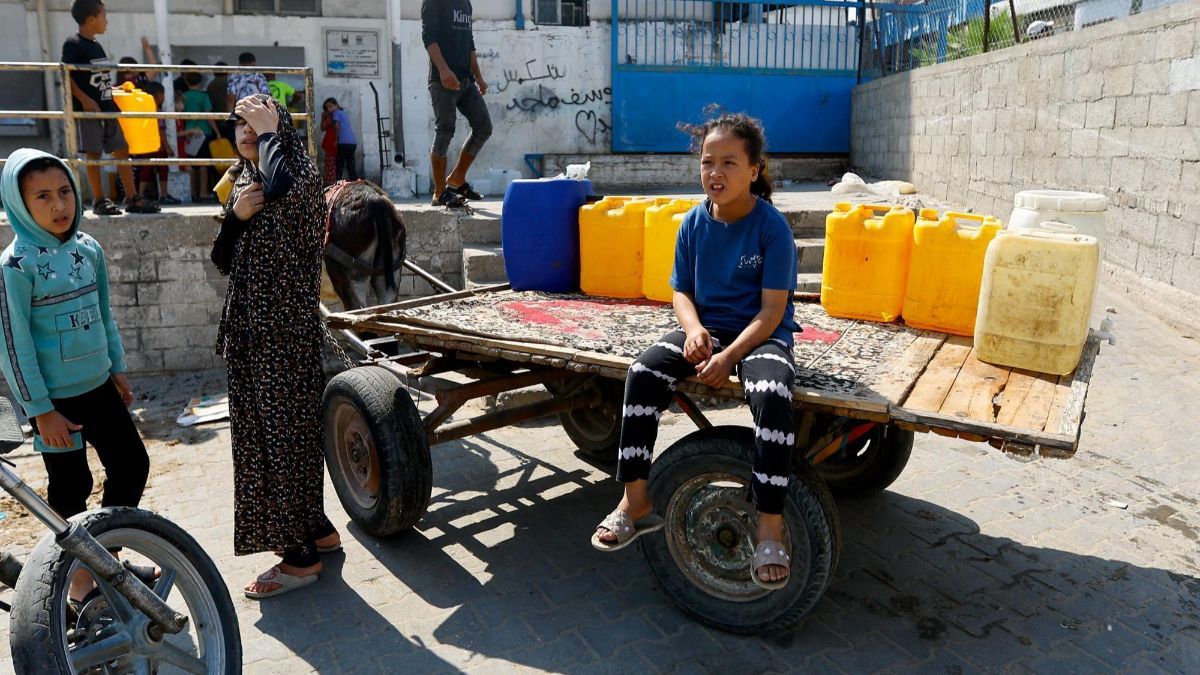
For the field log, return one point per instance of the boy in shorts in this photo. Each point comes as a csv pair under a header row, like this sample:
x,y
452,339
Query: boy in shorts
x,y
92,92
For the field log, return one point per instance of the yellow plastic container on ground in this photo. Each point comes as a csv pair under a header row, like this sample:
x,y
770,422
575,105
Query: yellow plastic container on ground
x,y
1035,299
867,250
662,227
611,233
946,269
140,134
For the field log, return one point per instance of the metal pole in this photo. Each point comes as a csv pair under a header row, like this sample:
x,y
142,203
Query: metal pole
x,y
1012,12
72,141
164,57
56,133
311,124
987,24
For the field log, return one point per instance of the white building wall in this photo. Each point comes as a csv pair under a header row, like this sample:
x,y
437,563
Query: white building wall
x,y
550,92
550,86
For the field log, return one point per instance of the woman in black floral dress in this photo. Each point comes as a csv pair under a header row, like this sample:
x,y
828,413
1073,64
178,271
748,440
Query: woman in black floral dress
x,y
270,245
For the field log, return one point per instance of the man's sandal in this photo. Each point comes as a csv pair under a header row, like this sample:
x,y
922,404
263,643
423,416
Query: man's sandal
x,y
105,207
450,199
770,553
284,583
465,191
619,523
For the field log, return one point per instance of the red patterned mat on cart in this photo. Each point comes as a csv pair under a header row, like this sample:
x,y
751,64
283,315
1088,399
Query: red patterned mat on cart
x,y
832,354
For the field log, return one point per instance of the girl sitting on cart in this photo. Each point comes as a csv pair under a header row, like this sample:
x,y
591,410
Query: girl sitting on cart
x,y
734,277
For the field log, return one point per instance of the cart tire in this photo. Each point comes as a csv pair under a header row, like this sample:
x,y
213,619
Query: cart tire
x,y
702,561
870,464
596,431
376,450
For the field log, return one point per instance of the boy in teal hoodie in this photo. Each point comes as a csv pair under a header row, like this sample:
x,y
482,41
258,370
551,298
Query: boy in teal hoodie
x,y
63,359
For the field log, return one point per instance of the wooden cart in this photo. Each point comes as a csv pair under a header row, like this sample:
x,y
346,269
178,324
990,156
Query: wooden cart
x,y
862,390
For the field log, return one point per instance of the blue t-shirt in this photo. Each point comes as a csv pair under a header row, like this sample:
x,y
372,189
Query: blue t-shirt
x,y
725,267
345,131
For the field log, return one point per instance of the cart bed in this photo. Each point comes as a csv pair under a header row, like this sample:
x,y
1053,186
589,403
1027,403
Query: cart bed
x,y
920,380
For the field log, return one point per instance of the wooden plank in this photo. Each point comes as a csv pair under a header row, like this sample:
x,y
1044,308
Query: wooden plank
x,y
974,391
957,426
935,382
1066,414
1026,401
896,383
428,300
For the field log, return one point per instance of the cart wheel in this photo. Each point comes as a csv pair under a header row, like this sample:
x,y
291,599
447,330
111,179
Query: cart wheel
x,y
595,430
703,560
870,464
376,450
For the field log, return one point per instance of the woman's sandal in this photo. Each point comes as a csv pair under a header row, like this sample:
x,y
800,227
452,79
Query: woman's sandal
x,y
465,191
284,583
619,523
770,553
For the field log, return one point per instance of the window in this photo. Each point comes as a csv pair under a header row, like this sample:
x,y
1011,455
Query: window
x,y
560,12
292,7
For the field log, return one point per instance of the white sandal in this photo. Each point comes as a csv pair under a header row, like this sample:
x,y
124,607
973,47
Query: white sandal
x,y
619,523
285,583
770,553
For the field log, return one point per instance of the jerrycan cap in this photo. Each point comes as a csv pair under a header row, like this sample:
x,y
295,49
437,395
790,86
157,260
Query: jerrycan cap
x,y
1061,200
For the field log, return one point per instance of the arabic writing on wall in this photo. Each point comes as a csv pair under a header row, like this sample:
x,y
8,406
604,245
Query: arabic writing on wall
x,y
588,106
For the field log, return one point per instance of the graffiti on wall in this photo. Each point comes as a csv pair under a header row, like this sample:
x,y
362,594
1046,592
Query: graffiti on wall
x,y
541,89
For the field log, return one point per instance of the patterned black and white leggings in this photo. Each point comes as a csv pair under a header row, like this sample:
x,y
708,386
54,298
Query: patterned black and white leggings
x,y
766,374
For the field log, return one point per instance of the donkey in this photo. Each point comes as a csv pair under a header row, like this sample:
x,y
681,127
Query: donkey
x,y
365,243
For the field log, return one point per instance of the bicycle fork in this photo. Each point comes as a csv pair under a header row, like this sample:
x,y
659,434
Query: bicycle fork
x,y
75,539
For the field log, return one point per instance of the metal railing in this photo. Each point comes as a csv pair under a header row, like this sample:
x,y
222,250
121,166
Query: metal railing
x,y
70,117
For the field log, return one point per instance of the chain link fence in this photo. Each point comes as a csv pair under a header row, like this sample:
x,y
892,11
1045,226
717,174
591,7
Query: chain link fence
x,y
904,36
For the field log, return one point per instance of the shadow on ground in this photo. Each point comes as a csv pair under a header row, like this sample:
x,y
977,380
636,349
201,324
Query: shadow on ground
x,y
917,585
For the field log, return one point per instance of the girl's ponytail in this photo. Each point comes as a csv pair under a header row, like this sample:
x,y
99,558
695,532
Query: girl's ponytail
x,y
761,187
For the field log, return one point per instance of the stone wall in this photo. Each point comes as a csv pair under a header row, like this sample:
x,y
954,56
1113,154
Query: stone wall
x,y
1114,108
167,296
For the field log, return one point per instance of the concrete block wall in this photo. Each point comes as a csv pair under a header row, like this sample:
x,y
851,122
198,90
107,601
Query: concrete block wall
x,y
1114,108
167,297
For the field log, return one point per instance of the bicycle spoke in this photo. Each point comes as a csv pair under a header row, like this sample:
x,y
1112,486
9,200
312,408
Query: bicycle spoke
x,y
165,583
106,650
169,653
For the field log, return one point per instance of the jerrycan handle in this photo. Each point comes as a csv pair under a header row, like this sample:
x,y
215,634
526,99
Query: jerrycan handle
x,y
979,218
1056,226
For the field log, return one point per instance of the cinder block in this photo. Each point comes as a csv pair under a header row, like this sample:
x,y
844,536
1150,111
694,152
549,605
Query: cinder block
x,y
1186,274
1113,142
1084,142
1151,78
1138,226
132,318
1162,176
165,338
202,336
1089,87
187,358
122,294
1072,115
1096,173
1176,42
1127,173
1155,263
1118,81
1184,75
1121,250
185,314
182,270
1175,235
1168,110
1132,111
1101,113
1051,67
143,361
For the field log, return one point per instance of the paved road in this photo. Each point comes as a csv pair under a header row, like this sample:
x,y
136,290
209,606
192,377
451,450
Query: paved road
x,y
972,561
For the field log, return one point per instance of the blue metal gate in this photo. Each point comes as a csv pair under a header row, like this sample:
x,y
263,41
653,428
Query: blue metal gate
x,y
792,64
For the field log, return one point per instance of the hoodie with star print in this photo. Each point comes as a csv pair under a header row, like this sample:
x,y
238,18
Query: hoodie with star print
x,y
59,334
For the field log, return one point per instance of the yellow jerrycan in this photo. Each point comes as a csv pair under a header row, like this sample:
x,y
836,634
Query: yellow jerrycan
x,y
946,269
867,249
1035,299
140,133
662,226
610,247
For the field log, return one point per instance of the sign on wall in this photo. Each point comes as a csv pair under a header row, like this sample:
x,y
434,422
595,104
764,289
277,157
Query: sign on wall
x,y
351,53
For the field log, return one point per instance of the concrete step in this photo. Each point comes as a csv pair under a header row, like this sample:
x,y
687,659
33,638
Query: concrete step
x,y
807,223
483,264
808,282
479,230
810,254
613,172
